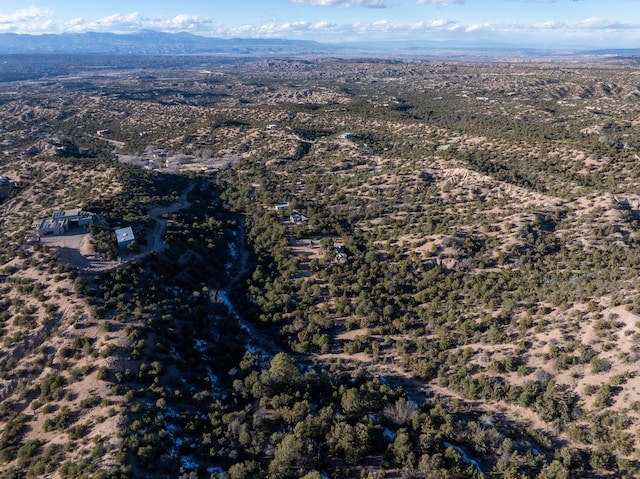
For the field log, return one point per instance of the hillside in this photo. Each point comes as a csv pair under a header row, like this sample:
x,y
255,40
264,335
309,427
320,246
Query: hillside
x,y
341,269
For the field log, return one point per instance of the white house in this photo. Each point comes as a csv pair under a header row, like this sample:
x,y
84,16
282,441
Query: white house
x,y
125,237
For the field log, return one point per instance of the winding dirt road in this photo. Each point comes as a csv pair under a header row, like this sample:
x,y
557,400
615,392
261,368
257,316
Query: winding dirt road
x,y
156,243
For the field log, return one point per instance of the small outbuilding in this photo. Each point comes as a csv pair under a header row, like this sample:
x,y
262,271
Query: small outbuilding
x,y
341,254
125,237
348,136
282,207
298,218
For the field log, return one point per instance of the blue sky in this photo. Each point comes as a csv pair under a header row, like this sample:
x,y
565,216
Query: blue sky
x,y
545,23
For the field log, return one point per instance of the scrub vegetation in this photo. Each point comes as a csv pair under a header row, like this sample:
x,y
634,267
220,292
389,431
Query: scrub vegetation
x,y
342,268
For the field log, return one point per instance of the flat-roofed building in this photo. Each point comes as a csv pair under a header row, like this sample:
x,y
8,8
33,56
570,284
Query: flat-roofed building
x,y
76,217
125,236
60,222
53,226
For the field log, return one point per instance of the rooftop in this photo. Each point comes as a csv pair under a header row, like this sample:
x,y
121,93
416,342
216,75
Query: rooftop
x,y
124,235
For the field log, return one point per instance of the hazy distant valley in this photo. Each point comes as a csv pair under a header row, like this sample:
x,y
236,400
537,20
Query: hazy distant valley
x,y
341,268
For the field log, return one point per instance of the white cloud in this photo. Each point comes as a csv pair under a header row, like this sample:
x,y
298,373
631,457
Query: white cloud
x,y
478,27
343,3
46,26
547,25
589,31
441,3
187,22
282,30
596,23
30,13
117,22
133,22
428,25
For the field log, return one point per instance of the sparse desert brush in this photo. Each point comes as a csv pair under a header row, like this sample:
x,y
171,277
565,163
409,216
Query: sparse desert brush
x,y
477,257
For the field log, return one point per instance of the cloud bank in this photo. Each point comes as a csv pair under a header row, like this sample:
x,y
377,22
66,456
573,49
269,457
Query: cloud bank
x,y
591,31
343,3
441,3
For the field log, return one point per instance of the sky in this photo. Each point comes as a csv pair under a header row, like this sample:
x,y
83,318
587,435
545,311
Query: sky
x,y
535,23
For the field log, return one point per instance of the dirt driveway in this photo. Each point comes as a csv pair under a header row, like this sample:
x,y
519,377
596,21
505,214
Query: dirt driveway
x,y
74,247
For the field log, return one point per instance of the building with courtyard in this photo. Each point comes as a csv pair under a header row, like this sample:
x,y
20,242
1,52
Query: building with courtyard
x,y
61,221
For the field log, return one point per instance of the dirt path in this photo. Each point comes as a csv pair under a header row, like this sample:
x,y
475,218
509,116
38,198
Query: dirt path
x,y
156,243
70,245
419,391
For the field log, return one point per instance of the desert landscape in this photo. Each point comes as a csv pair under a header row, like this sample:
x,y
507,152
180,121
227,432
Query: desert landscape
x,y
341,268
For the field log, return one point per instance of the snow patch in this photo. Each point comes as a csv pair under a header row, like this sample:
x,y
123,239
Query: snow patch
x,y
252,348
188,462
201,345
224,299
465,458
176,354
213,379
170,412
172,429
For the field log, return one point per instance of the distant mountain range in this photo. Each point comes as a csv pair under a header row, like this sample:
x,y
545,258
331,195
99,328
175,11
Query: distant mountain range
x,y
148,42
